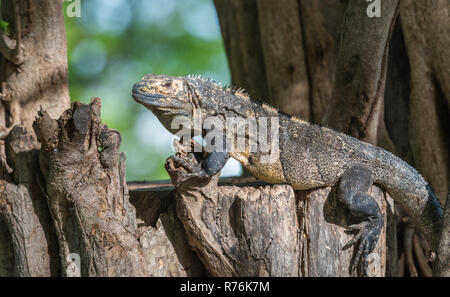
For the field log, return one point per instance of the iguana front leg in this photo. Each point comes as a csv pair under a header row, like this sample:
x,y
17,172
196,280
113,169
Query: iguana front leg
x,y
352,192
195,166
214,162
205,168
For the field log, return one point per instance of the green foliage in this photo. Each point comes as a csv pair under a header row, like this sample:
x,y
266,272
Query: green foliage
x,y
4,26
114,43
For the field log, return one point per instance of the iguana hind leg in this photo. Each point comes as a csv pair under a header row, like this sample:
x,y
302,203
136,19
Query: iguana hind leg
x,y
352,191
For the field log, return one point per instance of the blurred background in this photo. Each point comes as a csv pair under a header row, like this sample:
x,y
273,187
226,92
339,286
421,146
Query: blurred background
x,y
115,42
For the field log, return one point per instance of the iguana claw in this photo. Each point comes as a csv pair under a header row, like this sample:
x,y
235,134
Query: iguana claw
x,y
367,236
183,167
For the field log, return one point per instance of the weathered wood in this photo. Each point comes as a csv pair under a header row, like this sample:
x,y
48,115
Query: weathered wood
x,y
324,219
87,193
84,181
263,230
25,211
161,233
37,75
33,74
166,250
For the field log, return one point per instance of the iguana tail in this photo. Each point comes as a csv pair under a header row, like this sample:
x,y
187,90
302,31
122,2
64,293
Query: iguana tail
x,y
410,190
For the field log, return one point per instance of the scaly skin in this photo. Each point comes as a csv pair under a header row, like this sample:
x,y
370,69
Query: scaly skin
x,y
310,156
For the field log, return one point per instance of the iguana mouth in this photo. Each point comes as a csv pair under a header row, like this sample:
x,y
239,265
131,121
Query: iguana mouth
x,y
143,97
147,98
159,102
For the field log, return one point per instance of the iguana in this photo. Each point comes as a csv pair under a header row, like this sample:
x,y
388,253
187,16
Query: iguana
x,y
310,156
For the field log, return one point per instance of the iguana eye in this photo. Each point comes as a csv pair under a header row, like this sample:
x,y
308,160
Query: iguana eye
x,y
167,84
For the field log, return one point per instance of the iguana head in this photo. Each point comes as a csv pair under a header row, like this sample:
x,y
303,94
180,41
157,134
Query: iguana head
x,y
166,96
169,97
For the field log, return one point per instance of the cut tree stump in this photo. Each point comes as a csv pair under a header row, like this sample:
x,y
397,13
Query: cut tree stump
x,y
161,233
83,177
244,227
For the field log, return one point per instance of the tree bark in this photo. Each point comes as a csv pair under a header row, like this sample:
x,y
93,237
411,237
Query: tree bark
x,y
24,212
85,182
284,60
161,232
321,21
240,32
33,74
262,41
359,84
33,69
426,27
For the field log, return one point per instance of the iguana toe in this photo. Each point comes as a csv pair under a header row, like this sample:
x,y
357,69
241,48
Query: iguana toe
x,y
365,241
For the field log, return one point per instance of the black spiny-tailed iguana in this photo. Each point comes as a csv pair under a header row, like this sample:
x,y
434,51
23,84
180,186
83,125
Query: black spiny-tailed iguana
x,y
310,156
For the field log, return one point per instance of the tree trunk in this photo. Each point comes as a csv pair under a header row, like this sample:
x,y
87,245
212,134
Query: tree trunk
x,y
33,74
360,78
65,207
426,27
34,66
350,77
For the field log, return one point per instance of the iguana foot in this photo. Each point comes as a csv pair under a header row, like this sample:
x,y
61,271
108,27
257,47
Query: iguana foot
x,y
183,167
353,188
365,240
199,165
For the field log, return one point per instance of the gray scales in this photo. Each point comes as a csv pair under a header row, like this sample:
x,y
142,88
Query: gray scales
x,y
310,156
